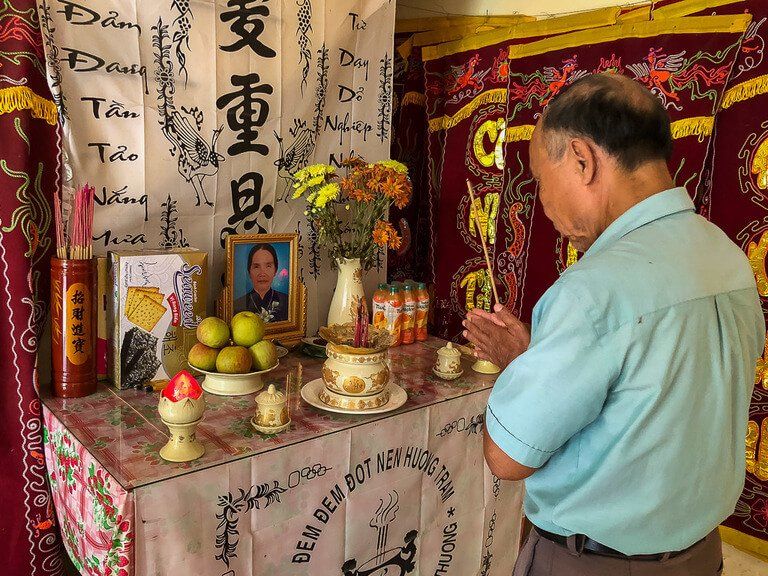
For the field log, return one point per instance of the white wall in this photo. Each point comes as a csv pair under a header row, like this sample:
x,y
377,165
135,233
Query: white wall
x,y
428,8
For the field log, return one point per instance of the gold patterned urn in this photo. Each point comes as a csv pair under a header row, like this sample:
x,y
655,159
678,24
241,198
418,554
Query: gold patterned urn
x,y
355,378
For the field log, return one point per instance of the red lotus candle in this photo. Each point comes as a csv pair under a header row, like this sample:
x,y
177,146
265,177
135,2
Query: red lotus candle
x,y
182,386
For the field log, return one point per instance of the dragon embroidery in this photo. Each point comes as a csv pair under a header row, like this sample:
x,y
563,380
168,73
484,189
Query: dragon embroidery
x,y
464,81
542,85
668,74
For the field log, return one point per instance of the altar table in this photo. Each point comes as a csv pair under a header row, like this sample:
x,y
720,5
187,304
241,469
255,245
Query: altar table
x,y
406,492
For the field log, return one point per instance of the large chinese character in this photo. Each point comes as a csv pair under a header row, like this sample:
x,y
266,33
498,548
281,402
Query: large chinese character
x,y
78,297
78,343
77,314
246,203
78,329
248,114
247,22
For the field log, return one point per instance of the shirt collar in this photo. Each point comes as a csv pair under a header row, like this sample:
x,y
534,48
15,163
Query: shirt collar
x,y
652,208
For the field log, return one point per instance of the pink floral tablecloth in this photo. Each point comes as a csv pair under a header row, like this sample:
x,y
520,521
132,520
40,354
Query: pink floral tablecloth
x,y
95,513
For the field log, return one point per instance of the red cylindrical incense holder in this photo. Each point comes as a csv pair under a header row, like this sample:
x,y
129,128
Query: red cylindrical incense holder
x,y
73,327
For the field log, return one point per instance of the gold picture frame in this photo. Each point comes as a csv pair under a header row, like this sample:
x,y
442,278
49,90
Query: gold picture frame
x,y
236,298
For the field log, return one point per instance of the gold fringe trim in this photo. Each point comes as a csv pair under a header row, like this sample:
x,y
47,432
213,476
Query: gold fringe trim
x,y
744,542
745,91
450,34
405,48
676,10
416,98
635,14
700,126
692,25
546,27
23,98
426,24
687,7
445,122
519,133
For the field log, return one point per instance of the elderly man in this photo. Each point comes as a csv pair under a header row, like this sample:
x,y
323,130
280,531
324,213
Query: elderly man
x,y
625,406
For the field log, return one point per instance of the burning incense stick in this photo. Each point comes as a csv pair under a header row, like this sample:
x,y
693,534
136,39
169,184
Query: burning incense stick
x,y
482,241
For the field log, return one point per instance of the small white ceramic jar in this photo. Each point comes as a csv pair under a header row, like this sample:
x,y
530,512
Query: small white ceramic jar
x,y
448,362
271,411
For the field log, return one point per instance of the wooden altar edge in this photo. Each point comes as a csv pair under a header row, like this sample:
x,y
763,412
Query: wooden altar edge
x,y
129,481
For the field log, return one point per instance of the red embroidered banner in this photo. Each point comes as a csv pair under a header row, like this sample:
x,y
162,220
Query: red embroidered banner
x,y
685,65
467,110
409,147
735,197
28,178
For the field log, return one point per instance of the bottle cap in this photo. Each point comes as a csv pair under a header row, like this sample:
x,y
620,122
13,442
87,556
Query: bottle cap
x,y
421,286
393,289
382,286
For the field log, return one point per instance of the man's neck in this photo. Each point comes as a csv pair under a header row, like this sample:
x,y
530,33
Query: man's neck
x,y
631,188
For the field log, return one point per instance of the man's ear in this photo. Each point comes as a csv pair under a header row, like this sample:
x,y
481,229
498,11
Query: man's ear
x,y
585,156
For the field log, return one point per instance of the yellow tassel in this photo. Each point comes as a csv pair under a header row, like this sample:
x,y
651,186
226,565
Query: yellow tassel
x,y
414,98
745,91
23,98
700,126
519,133
498,95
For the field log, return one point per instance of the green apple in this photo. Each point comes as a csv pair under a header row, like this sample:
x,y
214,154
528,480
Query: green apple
x,y
234,360
203,357
264,355
213,332
247,328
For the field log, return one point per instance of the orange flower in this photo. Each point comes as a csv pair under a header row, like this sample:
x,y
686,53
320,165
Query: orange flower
x,y
361,194
385,235
398,188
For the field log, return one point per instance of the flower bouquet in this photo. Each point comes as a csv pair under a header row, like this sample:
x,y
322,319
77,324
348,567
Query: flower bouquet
x,y
349,213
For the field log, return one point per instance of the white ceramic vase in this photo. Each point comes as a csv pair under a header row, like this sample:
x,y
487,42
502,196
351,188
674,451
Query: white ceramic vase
x,y
349,291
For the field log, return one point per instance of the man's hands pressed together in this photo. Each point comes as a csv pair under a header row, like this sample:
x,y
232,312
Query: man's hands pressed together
x,y
498,337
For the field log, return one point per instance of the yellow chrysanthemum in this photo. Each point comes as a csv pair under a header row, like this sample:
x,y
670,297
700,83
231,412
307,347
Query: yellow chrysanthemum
x,y
394,165
326,194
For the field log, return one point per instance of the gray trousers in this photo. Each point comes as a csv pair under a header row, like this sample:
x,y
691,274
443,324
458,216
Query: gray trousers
x,y
542,557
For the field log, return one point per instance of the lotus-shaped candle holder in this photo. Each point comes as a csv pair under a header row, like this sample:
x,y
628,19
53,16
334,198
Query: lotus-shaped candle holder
x,y
181,408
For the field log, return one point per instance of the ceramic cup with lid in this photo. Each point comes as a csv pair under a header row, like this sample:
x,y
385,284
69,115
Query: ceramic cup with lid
x,y
448,362
271,411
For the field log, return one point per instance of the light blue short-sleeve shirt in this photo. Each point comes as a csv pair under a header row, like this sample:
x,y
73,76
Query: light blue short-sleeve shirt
x,y
633,396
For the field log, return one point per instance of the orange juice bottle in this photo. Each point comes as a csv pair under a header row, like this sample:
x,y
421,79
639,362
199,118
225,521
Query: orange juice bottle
x,y
394,315
422,311
380,307
409,315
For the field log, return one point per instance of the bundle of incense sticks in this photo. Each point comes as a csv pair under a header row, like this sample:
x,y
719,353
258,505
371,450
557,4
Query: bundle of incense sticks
x,y
74,241
361,325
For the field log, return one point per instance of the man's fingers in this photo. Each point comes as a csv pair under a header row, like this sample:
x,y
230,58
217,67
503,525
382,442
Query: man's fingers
x,y
503,314
477,314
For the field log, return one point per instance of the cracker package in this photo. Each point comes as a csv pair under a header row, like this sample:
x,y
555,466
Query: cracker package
x,y
158,299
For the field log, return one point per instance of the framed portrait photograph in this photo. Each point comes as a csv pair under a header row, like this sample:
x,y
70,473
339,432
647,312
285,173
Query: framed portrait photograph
x,y
263,278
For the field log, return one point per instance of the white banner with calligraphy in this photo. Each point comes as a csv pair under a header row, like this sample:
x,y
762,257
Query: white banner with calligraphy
x,y
408,494
188,115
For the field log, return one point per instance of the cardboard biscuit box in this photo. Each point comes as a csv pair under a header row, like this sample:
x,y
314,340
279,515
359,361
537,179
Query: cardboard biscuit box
x,y
158,299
